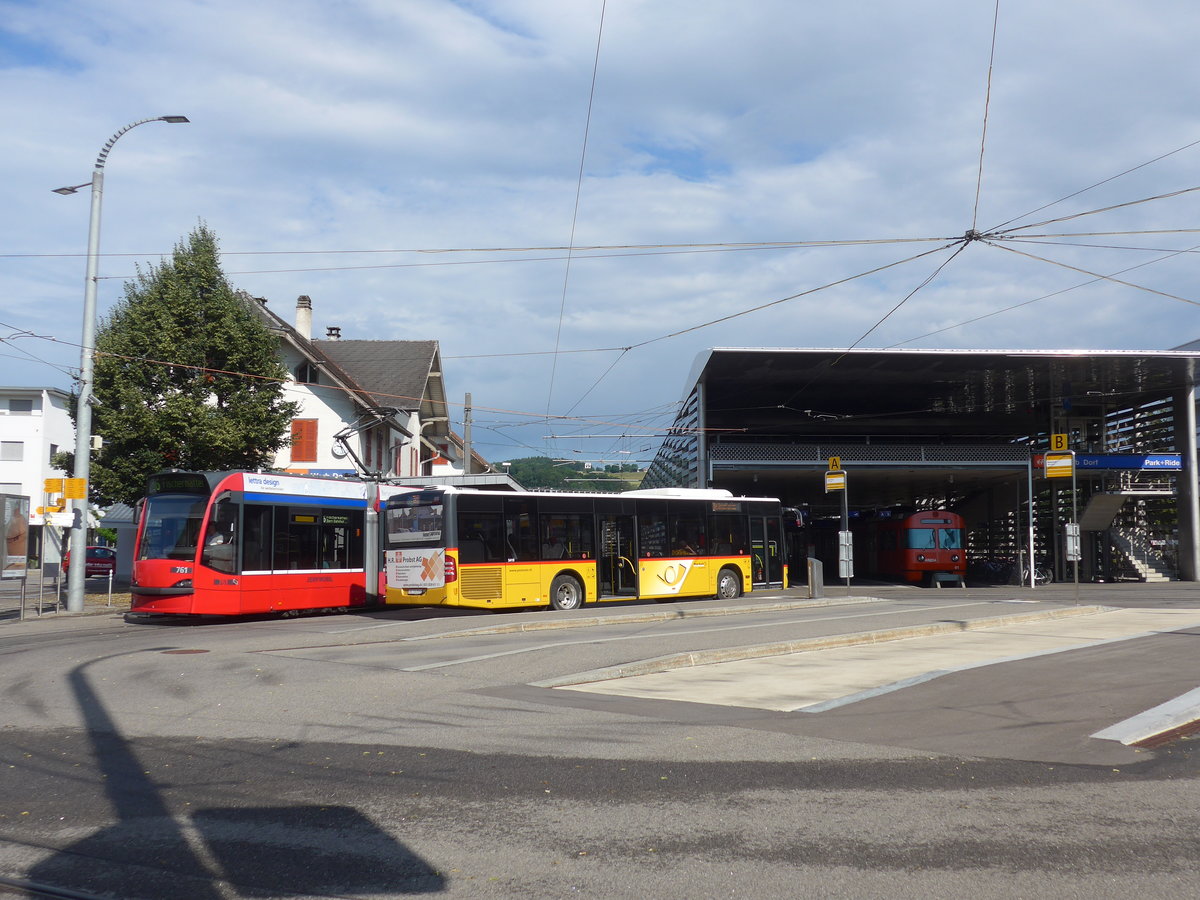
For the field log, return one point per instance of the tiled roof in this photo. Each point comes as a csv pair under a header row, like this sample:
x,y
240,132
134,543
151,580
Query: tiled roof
x,y
388,373
382,373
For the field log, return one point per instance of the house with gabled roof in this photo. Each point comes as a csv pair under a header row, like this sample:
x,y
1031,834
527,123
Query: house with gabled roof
x,y
387,398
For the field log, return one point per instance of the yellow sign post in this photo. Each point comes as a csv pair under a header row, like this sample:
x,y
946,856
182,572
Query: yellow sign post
x,y
76,489
1060,465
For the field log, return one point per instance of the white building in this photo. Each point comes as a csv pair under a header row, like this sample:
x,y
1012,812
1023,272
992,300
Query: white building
x,y
34,425
392,390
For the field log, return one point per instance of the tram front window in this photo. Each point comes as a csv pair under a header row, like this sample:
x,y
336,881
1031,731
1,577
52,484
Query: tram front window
x,y
172,527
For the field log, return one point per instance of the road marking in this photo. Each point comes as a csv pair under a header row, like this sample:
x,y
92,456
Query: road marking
x,y
1181,710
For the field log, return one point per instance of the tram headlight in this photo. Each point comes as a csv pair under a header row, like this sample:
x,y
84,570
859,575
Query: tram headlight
x,y
953,557
187,583
920,557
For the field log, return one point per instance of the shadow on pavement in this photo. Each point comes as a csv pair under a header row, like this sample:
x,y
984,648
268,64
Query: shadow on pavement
x,y
151,852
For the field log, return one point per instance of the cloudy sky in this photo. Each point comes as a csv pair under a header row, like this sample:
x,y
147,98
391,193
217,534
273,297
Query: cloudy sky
x,y
576,197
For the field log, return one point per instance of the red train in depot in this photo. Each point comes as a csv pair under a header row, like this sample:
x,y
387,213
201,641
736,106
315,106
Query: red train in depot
x,y
919,548
923,547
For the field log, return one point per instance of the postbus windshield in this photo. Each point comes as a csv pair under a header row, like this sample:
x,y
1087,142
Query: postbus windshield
x,y
172,526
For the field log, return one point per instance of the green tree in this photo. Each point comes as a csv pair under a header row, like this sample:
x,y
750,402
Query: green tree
x,y
186,377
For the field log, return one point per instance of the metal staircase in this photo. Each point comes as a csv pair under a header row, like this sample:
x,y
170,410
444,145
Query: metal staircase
x,y
1138,557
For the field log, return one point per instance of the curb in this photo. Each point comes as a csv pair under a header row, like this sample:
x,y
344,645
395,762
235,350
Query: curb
x,y
760,651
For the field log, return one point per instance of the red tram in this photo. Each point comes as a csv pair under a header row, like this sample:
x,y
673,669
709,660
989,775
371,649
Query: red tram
x,y
238,543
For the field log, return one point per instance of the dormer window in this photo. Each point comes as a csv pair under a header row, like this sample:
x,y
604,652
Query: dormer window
x,y
307,373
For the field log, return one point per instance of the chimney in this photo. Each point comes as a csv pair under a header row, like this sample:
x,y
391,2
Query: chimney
x,y
333,333
304,316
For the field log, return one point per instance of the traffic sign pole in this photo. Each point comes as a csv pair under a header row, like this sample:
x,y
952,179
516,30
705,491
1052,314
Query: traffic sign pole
x,y
835,480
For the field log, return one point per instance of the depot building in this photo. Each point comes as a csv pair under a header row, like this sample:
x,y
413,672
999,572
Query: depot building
x,y
965,431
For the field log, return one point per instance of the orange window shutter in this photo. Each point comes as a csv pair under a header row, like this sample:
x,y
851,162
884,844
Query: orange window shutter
x,y
304,440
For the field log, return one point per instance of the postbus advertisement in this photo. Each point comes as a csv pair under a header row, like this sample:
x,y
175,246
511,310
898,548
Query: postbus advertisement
x,y
416,570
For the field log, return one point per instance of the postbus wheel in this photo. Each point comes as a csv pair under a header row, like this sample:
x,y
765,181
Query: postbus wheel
x,y
566,592
729,585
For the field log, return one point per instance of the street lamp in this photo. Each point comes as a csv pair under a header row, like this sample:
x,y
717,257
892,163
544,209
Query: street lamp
x,y
83,414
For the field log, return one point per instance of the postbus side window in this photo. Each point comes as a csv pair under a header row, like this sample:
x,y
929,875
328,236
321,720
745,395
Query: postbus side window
x,y
652,528
481,536
687,527
728,534
567,536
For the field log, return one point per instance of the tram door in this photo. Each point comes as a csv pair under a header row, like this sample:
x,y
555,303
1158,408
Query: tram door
x,y
616,561
766,551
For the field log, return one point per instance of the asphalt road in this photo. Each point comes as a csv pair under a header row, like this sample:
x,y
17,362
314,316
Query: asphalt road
x,y
412,752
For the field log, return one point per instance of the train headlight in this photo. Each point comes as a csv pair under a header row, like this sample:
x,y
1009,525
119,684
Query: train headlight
x,y
953,557
187,583
920,557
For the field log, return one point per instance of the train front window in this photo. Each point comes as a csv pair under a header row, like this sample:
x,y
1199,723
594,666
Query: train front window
x,y
172,526
922,539
951,538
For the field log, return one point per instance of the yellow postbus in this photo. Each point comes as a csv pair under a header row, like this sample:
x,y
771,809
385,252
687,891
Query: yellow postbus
x,y
450,546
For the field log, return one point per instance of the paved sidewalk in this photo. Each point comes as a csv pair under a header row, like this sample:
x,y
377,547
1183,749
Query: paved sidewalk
x,y
53,600
818,680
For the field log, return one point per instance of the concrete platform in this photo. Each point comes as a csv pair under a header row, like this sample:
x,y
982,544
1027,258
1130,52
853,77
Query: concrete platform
x,y
820,680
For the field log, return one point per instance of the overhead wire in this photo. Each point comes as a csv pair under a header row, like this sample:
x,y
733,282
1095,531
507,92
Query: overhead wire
x,y
1090,187
789,298
1140,287
687,246
998,234
562,307
1074,287
987,101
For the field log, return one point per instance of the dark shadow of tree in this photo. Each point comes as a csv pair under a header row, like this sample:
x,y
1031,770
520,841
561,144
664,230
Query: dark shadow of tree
x,y
276,851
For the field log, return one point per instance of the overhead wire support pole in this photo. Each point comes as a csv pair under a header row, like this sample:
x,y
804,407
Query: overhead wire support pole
x,y
83,414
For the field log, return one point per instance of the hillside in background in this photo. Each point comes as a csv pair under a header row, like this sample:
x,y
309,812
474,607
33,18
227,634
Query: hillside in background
x,y
544,473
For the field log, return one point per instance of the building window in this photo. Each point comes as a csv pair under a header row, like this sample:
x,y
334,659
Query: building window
x,y
12,451
20,407
304,440
53,452
307,373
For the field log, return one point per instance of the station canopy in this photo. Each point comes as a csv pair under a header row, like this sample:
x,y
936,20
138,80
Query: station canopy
x,y
997,402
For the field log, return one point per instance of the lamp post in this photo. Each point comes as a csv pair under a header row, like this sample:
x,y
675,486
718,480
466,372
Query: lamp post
x,y
83,414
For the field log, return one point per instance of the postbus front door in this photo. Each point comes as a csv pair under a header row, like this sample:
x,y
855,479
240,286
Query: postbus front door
x,y
766,549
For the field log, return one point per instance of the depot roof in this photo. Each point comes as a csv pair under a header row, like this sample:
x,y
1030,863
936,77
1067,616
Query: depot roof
x,y
1009,392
